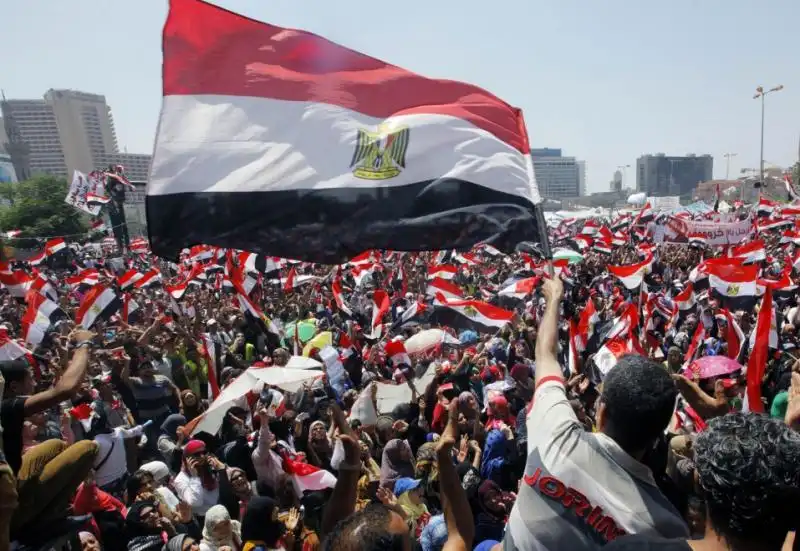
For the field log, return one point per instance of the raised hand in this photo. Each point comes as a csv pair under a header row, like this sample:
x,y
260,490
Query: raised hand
x,y
292,520
450,433
463,448
386,496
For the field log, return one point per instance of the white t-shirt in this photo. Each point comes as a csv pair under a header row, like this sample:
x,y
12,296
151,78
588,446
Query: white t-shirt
x,y
190,490
117,463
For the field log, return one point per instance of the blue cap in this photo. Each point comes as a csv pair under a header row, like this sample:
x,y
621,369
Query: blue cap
x,y
404,485
486,545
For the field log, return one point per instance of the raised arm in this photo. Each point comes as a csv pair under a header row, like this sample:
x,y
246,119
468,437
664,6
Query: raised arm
x,y
546,362
457,512
342,502
70,380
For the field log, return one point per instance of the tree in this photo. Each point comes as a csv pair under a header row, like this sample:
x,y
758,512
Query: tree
x,y
37,208
796,174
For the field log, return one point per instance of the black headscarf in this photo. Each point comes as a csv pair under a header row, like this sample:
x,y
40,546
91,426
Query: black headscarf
x,y
135,523
171,424
257,524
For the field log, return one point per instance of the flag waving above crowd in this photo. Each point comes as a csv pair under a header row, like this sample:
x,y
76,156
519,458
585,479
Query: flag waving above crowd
x,y
348,153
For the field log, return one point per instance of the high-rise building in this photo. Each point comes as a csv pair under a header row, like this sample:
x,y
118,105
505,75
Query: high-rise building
x,y
33,140
558,176
660,175
616,183
66,131
85,126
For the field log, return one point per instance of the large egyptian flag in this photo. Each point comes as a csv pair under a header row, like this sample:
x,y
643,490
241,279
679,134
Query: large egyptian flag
x,y
280,142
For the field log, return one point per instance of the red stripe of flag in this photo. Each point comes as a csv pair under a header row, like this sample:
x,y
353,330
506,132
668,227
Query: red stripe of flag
x,y
757,363
209,50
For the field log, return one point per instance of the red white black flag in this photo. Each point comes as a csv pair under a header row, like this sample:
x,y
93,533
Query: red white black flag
x,y
386,159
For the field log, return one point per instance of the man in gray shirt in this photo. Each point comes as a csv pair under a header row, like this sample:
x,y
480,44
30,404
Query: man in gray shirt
x,y
581,490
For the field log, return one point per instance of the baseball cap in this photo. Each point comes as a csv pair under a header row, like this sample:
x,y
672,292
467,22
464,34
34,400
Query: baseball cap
x,y
405,484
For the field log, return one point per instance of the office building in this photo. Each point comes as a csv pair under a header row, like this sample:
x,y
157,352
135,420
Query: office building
x,y
660,175
545,152
137,165
616,182
33,140
85,127
558,176
65,131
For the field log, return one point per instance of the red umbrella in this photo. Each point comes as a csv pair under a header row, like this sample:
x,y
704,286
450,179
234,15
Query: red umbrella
x,y
712,366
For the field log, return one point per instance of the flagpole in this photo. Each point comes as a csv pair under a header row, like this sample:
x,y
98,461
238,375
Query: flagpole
x,y
541,223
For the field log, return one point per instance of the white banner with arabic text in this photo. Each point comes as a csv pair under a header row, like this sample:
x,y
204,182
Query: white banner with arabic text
x,y
716,233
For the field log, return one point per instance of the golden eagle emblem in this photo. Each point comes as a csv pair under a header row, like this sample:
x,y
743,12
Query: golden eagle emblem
x,y
733,290
380,155
470,311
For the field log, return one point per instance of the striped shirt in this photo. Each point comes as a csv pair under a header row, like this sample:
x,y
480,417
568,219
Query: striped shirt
x,y
153,398
580,489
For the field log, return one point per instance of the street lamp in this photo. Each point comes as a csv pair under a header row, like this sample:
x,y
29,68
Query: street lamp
x,y
760,93
728,163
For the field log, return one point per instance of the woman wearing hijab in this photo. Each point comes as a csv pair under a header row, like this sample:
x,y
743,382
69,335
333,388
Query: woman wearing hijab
x,y
499,413
499,453
146,527
469,413
426,469
235,492
220,531
261,529
492,508
396,463
370,467
181,542
198,482
190,405
409,495
160,473
319,446
170,441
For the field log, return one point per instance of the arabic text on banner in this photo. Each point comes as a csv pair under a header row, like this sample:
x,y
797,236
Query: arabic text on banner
x,y
664,203
677,230
76,196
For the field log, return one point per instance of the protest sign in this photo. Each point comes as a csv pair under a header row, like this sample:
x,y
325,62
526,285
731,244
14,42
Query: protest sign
x,y
76,196
716,233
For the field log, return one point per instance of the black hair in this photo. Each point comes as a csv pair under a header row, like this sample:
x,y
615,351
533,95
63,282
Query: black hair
x,y
135,483
14,371
639,397
365,530
747,471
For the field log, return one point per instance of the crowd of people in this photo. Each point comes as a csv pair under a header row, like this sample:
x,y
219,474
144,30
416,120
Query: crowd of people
x,y
597,416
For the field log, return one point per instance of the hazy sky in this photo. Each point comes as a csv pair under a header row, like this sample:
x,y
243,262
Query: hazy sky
x,y
606,80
